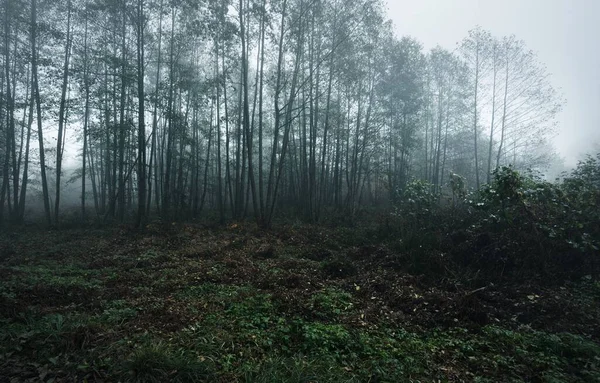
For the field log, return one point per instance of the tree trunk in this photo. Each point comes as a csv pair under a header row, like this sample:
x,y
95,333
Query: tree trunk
x,y
491,144
61,114
503,127
36,90
475,137
154,114
141,195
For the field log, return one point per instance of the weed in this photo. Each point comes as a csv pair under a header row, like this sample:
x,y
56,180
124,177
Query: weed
x,y
60,278
330,303
320,338
298,370
118,311
159,363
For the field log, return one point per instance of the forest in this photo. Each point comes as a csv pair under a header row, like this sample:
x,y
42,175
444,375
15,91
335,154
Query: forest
x,y
284,191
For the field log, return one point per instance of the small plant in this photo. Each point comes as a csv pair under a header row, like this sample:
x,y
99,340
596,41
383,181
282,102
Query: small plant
x,y
417,199
298,370
330,303
325,338
458,185
117,312
254,312
159,363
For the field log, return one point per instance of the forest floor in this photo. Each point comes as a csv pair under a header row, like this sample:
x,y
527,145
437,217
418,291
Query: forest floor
x,y
185,303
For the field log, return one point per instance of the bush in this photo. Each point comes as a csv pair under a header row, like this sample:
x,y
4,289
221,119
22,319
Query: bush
x,y
518,226
526,226
418,199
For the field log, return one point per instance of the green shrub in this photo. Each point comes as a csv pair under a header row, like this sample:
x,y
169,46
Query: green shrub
x,y
417,199
517,226
522,222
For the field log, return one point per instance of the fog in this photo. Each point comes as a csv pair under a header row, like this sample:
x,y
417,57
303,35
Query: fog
x,y
564,33
246,109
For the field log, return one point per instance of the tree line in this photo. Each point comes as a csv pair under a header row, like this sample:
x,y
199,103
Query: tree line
x,y
240,109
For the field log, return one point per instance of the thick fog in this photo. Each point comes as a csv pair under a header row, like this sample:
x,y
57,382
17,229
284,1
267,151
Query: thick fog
x,y
564,33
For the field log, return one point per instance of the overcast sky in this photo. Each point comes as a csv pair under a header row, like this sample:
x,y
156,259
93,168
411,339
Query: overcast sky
x,y
564,33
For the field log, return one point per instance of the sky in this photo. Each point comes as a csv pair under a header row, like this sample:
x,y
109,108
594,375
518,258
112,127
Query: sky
x,y
565,34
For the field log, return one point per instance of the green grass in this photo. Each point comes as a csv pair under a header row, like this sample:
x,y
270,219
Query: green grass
x,y
160,363
60,277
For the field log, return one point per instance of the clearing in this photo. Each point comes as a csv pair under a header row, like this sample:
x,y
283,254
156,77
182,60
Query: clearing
x,y
186,303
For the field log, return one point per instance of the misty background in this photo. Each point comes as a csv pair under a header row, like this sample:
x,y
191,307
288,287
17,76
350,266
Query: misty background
x,y
565,34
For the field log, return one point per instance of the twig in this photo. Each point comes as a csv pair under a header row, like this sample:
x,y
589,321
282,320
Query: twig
x,y
476,291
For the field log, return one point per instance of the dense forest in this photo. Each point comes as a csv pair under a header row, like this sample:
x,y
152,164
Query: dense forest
x,y
242,109
284,191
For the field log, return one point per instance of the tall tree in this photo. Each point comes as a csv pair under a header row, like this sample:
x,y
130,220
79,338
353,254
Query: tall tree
x,y
141,157
62,113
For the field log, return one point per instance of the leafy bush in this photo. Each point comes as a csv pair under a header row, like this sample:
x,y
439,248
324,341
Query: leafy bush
x,y
415,212
517,226
522,225
418,199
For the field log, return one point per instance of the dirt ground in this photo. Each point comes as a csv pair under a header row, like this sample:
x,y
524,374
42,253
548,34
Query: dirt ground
x,y
296,304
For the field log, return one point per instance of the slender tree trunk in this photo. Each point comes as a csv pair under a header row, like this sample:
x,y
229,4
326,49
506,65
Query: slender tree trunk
x,y
445,138
270,183
86,117
25,179
170,115
287,121
36,90
154,113
12,132
438,148
261,200
9,112
141,213
475,136
93,176
207,161
122,123
503,127
61,114
219,170
322,185
228,183
491,144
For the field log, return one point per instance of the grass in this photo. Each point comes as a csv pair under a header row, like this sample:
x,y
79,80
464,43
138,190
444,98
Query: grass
x,y
142,309
158,363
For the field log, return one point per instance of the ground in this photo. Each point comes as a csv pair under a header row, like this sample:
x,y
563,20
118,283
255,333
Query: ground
x,y
187,303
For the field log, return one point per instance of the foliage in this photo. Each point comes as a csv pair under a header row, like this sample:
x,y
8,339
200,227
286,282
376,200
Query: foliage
x,y
159,363
522,222
417,199
297,370
458,185
330,303
118,311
